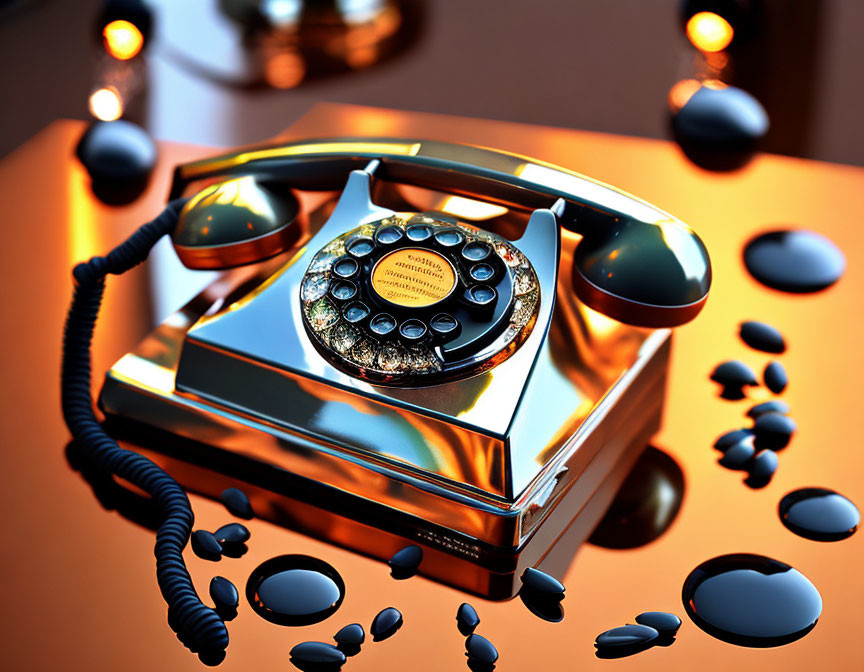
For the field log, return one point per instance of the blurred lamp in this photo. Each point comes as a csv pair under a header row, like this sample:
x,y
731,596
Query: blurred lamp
x,y
124,27
106,104
712,25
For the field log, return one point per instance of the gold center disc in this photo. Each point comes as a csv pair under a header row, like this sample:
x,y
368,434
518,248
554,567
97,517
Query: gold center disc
x,y
413,278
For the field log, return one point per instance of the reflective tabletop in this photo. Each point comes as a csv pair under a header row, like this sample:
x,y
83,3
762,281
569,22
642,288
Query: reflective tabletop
x,y
78,580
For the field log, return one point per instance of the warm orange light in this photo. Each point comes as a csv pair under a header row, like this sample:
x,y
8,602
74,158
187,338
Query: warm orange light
x,y
123,40
681,92
709,31
106,104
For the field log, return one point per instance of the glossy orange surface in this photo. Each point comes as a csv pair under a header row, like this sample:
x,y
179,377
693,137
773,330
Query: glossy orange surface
x,y
78,583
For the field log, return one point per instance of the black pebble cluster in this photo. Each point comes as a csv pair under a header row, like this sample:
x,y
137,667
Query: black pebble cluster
x,y
754,449
323,657
229,540
652,628
481,653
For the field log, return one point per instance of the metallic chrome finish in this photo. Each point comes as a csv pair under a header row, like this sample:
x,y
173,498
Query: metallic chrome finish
x,y
236,222
669,254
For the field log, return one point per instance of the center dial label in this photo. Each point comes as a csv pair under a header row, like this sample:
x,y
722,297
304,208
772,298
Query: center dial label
x,y
413,277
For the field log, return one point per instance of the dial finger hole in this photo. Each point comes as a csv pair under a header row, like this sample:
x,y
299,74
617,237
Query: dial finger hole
x,y
346,267
443,323
356,312
449,238
344,290
418,232
389,235
482,272
382,324
412,330
360,247
481,295
476,251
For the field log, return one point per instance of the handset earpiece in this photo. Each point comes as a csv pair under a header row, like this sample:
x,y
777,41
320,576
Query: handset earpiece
x,y
239,221
646,274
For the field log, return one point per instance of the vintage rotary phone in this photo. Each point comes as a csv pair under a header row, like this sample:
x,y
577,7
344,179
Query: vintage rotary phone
x,y
407,370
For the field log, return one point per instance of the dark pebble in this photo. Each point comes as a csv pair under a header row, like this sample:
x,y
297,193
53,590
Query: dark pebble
x,y
819,514
224,593
663,622
481,649
350,638
206,546
351,634
385,624
317,656
232,534
776,406
739,455
761,336
237,503
234,550
729,439
795,261
625,641
467,618
762,468
404,564
775,377
542,584
773,430
734,374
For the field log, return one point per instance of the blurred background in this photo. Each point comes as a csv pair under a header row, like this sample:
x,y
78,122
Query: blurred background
x,y
228,72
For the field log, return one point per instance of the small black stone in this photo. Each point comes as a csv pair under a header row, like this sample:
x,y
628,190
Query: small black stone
x,y
351,634
232,534
625,641
663,622
796,260
761,336
481,649
729,439
467,618
237,503
775,377
385,624
206,546
773,430
350,638
762,469
764,464
542,584
738,456
224,593
734,374
317,656
775,406
404,564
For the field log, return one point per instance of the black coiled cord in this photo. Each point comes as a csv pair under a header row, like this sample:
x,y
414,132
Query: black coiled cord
x,y
199,627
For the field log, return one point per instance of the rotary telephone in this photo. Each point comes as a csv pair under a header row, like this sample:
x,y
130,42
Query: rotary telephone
x,y
395,370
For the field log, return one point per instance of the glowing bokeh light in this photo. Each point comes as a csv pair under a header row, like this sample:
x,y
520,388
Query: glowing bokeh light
x,y
709,32
106,104
123,40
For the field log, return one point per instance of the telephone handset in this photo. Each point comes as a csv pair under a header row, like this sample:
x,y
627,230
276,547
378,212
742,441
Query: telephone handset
x,y
415,298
